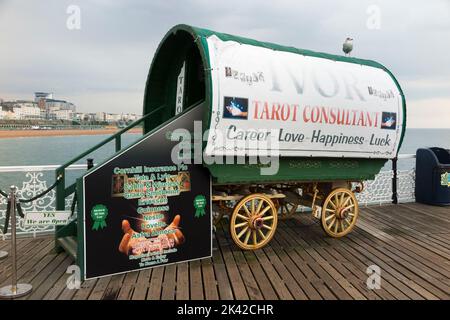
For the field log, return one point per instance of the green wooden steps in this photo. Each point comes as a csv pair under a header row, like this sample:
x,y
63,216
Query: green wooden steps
x,y
69,244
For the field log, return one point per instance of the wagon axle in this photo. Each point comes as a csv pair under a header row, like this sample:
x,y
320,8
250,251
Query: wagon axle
x,y
256,223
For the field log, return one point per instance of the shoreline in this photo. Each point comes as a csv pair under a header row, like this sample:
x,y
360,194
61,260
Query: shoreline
x,y
5,134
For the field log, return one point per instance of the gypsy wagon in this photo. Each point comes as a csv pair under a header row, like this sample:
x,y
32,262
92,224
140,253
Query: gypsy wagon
x,y
274,128
333,122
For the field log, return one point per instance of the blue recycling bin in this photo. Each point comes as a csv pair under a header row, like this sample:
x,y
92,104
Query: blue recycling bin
x,y
433,176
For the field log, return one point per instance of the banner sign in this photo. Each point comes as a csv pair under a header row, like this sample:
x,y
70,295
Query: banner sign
x,y
301,105
142,210
46,218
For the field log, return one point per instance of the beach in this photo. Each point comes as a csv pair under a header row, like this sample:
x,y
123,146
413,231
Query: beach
x,y
70,132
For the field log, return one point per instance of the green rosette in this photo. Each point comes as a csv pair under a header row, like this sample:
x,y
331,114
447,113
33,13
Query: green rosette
x,y
99,213
200,205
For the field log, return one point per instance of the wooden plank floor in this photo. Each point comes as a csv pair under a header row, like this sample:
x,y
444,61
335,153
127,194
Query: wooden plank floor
x,y
410,243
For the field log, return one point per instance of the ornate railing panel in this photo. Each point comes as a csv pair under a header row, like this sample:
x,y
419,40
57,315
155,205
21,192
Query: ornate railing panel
x,y
379,190
31,181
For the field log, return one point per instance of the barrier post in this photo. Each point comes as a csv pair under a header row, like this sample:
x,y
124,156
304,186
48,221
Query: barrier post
x,y
90,163
394,181
15,290
3,254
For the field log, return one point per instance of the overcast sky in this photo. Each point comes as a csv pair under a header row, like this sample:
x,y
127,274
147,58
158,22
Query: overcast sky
x,y
103,65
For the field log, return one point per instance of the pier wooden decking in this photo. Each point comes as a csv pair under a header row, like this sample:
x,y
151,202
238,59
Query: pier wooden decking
x,y
409,242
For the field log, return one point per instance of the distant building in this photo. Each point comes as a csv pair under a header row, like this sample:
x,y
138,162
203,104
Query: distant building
x,y
112,117
63,114
115,117
42,95
47,103
100,116
131,117
8,115
46,107
20,110
27,112
53,105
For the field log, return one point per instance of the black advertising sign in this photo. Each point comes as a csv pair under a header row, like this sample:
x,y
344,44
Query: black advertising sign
x,y
142,210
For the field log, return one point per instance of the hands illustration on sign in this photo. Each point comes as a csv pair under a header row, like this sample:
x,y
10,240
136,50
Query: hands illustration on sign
x,y
235,110
130,242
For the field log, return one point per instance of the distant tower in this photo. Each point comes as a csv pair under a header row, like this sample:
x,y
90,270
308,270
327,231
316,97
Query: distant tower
x,y
348,46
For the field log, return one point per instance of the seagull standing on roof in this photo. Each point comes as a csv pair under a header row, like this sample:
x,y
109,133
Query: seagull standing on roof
x,y
348,46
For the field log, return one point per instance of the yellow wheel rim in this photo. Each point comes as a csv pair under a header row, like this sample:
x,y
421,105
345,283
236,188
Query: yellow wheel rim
x,y
253,222
339,212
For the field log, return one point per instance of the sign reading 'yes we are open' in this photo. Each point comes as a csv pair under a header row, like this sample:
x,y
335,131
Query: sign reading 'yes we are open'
x,y
46,218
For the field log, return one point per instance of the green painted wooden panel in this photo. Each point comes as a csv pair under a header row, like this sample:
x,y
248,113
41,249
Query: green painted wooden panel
x,y
299,170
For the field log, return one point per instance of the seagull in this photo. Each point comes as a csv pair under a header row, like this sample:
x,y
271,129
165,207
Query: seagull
x,y
348,46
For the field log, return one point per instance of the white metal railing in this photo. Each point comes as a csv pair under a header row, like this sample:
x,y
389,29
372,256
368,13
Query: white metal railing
x,y
47,167
406,156
380,191
33,181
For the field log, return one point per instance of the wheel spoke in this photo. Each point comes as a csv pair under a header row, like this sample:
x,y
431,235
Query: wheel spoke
x,y
342,225
242,232
332,223
336,199
348,207
267,227
268,218
241,216
247,236
246,210
336,227
260,214
261,234
253,206
346,201
329,217
240,225
255,240
259,206
332,204
349,222
342,198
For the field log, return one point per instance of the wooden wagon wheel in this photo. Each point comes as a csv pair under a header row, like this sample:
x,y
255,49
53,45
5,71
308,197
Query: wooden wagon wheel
x,y
253,222
285,208
339,212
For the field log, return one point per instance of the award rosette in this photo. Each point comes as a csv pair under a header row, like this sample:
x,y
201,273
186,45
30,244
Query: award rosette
x,y
199,205
99,213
